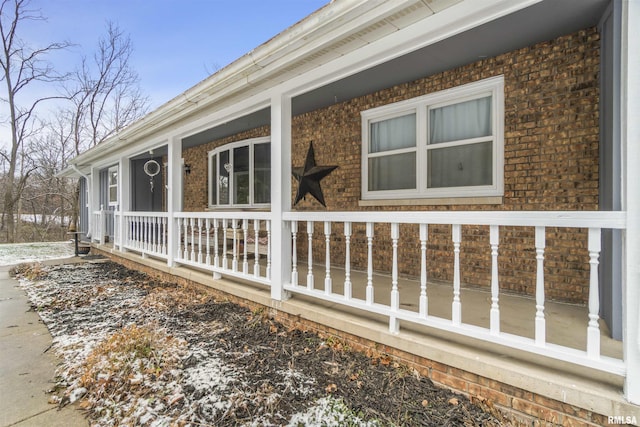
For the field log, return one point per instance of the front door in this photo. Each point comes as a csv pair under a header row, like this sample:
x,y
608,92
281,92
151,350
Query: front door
x,y
147,185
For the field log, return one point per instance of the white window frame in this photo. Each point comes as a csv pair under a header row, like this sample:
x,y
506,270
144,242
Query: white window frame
x,y
213,204
110,171
420,106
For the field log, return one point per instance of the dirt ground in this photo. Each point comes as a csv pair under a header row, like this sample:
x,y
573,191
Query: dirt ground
x,y
137,351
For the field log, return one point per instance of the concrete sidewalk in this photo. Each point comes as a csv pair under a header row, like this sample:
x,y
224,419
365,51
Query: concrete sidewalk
x,y
26,368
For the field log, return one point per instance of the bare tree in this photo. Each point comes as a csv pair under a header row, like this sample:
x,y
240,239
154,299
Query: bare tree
x,y
105,92
105,95
22,67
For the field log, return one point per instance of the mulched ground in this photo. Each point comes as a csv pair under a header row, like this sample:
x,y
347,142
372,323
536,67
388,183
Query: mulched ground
x,y
138,351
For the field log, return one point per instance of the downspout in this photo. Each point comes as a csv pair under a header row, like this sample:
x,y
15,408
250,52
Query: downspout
x,y
88,180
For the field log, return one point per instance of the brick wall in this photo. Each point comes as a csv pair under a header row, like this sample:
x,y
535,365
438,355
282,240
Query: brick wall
x,y
551,163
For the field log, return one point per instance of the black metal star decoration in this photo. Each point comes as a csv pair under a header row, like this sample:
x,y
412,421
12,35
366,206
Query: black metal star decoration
x,y
309,177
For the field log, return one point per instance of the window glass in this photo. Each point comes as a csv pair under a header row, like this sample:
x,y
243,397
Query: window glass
x,y
460,166
241,175
224,169
443,144
465,120
395,172
393,134
262,173
112,178
214,180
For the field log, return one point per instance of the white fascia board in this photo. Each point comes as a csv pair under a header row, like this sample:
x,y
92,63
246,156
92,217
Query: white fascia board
x,y
328,25
450,22
326,22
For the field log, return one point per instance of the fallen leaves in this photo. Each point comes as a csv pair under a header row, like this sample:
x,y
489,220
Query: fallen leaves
x,y
331,388
155,353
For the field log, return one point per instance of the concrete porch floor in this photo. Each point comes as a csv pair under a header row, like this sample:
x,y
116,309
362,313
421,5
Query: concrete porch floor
x,y
566,323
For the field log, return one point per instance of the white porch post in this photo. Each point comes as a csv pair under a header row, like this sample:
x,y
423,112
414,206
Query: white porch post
x,y
630,135
94,202
280,194
124,197
174,196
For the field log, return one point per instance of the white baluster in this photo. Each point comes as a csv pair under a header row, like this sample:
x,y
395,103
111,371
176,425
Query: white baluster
x,y
394,323
310,255
134,234
347,261
138,239
154,234
193,240
294,254
199,240
369,294
164,235
234,262
268,272
540,326
224,244
145,233
216,249
327,258
593,330
424,302
185,224
245,231
494,314
207,227
256,232
456,306
154,242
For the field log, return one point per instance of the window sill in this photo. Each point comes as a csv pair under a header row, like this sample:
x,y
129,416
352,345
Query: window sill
x,y
491,200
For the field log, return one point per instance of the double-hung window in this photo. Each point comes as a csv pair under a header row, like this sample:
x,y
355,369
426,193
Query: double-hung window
x,y
240,174
445,144
112,185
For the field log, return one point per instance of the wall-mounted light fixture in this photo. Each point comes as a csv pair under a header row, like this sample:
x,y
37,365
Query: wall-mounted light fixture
x,y
187,169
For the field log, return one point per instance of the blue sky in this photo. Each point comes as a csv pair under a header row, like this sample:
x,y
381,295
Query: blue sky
x,y
177,43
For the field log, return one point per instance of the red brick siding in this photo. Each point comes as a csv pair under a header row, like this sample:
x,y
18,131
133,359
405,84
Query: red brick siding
x,y
551,163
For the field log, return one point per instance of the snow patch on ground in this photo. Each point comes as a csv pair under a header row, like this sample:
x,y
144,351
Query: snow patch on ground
x,y
17,253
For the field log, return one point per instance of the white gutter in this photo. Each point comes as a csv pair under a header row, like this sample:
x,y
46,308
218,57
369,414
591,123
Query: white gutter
x,y
335,19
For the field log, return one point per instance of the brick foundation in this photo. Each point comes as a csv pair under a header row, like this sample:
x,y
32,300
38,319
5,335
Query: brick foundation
x,y
520,407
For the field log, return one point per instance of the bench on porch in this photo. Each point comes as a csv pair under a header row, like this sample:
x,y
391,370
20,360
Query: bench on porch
x,y
250,241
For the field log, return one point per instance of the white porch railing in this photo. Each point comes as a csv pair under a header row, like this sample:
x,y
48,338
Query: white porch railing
x,y
145,232
342,224
103,225
239,244
229,243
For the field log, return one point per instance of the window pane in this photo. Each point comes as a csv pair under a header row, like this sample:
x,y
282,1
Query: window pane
x,y
113,177
470,119
396,172
224,168
262,173
460,166
393,134
241,175
113,194
214,180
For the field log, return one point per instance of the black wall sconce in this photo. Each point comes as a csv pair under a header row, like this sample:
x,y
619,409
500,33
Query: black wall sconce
x,y
187,169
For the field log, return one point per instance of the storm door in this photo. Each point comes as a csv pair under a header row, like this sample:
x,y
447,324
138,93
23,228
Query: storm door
x,y
147,185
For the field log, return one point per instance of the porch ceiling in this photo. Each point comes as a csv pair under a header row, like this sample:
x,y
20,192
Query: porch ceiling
x,y
542,21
